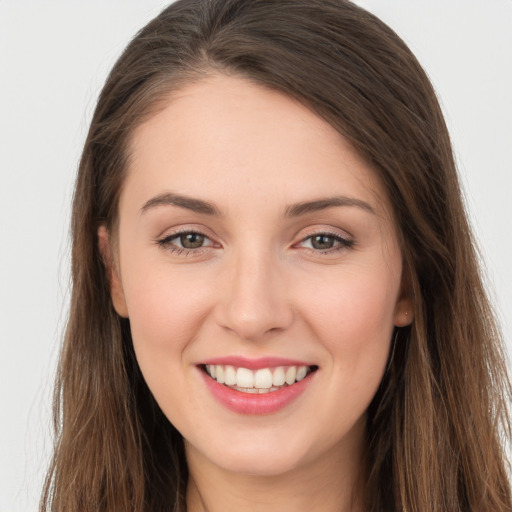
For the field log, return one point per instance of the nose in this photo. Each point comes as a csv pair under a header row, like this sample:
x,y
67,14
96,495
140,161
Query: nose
x,y
254,298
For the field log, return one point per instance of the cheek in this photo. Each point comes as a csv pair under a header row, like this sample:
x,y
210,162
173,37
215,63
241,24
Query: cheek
x,y
354,302
354,322
166,309
353,318
166,312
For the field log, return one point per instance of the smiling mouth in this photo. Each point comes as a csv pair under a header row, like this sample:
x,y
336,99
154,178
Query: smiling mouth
x,y
261,381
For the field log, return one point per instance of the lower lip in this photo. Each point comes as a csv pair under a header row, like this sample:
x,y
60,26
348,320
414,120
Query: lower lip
x,y
249,403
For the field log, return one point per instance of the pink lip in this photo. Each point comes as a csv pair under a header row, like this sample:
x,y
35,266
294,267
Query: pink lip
x,y
254,364
247,403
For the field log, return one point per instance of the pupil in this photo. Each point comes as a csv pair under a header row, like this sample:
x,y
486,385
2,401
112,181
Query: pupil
x,y
322,242
192,240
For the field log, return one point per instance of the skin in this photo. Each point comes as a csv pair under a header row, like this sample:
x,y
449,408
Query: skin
x,y
258,287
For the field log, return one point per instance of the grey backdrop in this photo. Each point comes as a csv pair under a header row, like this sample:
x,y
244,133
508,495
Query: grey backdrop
x,y
54,56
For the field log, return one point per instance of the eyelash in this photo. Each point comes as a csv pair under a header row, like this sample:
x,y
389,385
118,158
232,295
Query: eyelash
x,y
342,243
167,243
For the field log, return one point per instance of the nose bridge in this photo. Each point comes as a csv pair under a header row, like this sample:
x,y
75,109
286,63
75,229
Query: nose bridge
x,y
255,301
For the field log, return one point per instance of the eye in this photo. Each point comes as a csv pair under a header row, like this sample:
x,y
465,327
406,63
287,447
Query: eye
x,y
189,241
326,242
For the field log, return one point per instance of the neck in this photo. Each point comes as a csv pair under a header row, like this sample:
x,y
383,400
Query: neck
x,y
333,484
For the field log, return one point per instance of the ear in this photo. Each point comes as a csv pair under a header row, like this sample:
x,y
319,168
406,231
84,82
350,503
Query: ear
x,y
404,308
114,279
404,313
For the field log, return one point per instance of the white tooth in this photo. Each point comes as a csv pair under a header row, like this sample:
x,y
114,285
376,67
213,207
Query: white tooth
x,y
291,374
229,376
278,379
301,372
219,373
263,379
246,390
210,368
244,378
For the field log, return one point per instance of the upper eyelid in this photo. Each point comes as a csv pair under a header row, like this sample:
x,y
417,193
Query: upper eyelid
x,y
178,234
170,239
167,242
166,234
343,241
326,233
330,231
300,237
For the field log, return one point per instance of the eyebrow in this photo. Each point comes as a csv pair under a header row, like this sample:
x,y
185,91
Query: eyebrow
x,y
298,209
189,203
294,210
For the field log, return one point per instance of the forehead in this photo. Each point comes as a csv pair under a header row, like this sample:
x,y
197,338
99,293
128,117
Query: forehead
x,y
226,134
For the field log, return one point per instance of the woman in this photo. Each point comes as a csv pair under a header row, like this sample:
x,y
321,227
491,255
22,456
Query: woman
x,y
276,299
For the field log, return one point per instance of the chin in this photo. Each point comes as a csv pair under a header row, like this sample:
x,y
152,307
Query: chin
x,y
256,462
255,453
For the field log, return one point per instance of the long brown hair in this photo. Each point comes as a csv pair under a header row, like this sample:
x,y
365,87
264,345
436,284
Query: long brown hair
x,y
436,426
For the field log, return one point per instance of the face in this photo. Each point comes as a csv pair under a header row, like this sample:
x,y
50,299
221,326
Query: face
x,y
258,263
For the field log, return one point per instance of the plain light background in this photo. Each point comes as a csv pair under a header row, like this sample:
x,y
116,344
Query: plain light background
x,y
54,57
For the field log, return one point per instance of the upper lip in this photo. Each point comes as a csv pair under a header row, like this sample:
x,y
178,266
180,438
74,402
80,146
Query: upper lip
x,y
253,363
